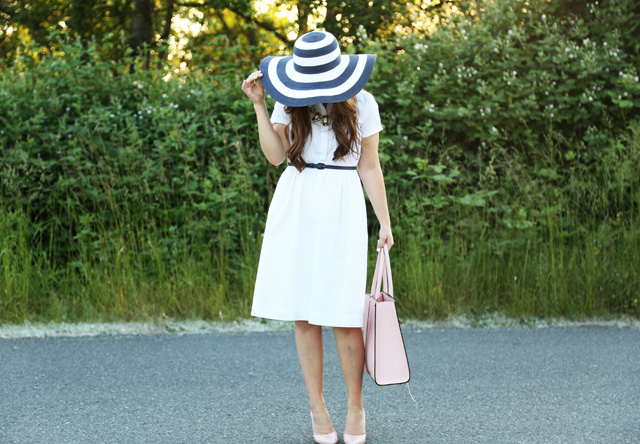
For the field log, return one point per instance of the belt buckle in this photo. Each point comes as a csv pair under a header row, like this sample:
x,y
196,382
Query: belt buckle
x,y
320,166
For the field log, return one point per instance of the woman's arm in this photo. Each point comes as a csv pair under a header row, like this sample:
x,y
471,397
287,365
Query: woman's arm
x,y
273,141
371,176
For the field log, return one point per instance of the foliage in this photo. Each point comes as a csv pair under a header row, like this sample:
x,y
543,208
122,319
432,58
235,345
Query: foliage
x,y
511,86
127,195
79,139
193,31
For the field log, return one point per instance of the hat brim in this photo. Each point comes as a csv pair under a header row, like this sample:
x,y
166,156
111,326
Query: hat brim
x,y
293,88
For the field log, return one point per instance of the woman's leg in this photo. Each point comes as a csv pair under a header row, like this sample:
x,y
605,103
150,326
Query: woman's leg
x,y
310,353
351,351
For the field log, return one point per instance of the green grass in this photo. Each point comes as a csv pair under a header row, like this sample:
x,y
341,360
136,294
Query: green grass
x,y
134,279
545,275
542,274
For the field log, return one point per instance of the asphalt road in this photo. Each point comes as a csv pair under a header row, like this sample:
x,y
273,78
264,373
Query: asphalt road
x,y
554,385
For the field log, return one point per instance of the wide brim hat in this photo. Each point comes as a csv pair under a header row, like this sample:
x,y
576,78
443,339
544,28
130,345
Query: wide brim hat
x,y
316,72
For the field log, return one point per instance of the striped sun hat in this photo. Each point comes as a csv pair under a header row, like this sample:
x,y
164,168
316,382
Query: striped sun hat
x,y
316,73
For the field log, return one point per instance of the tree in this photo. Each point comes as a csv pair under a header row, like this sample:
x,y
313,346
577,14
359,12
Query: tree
x,y
231,31
142,27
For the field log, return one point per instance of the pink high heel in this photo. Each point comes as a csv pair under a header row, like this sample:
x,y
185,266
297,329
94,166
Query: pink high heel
x,y
355,439
327,438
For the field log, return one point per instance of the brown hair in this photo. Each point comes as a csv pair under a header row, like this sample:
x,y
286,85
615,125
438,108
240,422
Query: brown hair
x,y
345,125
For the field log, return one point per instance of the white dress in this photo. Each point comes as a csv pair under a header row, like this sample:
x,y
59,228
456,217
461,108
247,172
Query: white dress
x,y
313,263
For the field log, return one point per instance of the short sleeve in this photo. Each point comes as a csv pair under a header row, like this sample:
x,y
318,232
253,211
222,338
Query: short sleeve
x,y
368,115
279,115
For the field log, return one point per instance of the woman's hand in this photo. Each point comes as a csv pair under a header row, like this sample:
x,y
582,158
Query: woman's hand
x,y
253,88
385,237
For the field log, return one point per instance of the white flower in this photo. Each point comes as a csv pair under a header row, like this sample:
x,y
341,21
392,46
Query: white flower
x,y
543,16
164,96
590,99
140,86
546,93
510,32
494,129
67,109
636,78
515,73
551,114
111,115
508,82
515,278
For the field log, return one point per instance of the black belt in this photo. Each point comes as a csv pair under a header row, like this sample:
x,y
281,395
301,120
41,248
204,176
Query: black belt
x,y
322,166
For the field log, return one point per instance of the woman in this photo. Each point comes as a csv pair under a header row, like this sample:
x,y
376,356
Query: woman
x,y
313,263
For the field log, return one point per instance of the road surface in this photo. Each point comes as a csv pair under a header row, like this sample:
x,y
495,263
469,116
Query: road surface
x,y
508,385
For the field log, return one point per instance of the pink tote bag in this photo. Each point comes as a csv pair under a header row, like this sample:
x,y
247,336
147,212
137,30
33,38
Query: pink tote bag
x,y
385,356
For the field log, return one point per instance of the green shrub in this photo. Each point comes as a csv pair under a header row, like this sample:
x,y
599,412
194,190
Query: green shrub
x,y
125,195
514,84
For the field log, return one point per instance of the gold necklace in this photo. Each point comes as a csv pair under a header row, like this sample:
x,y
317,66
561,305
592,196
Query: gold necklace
x,y
317,116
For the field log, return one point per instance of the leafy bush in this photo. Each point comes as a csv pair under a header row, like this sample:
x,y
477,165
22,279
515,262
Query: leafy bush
x,y
511,148
514,84
86,146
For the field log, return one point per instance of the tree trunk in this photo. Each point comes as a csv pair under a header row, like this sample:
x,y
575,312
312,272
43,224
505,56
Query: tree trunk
x,y
142,27
330,23
81,17
164,38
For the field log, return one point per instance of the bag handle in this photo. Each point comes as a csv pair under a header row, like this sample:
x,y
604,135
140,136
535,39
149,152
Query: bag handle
x,y
382,274
388,267
377,275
